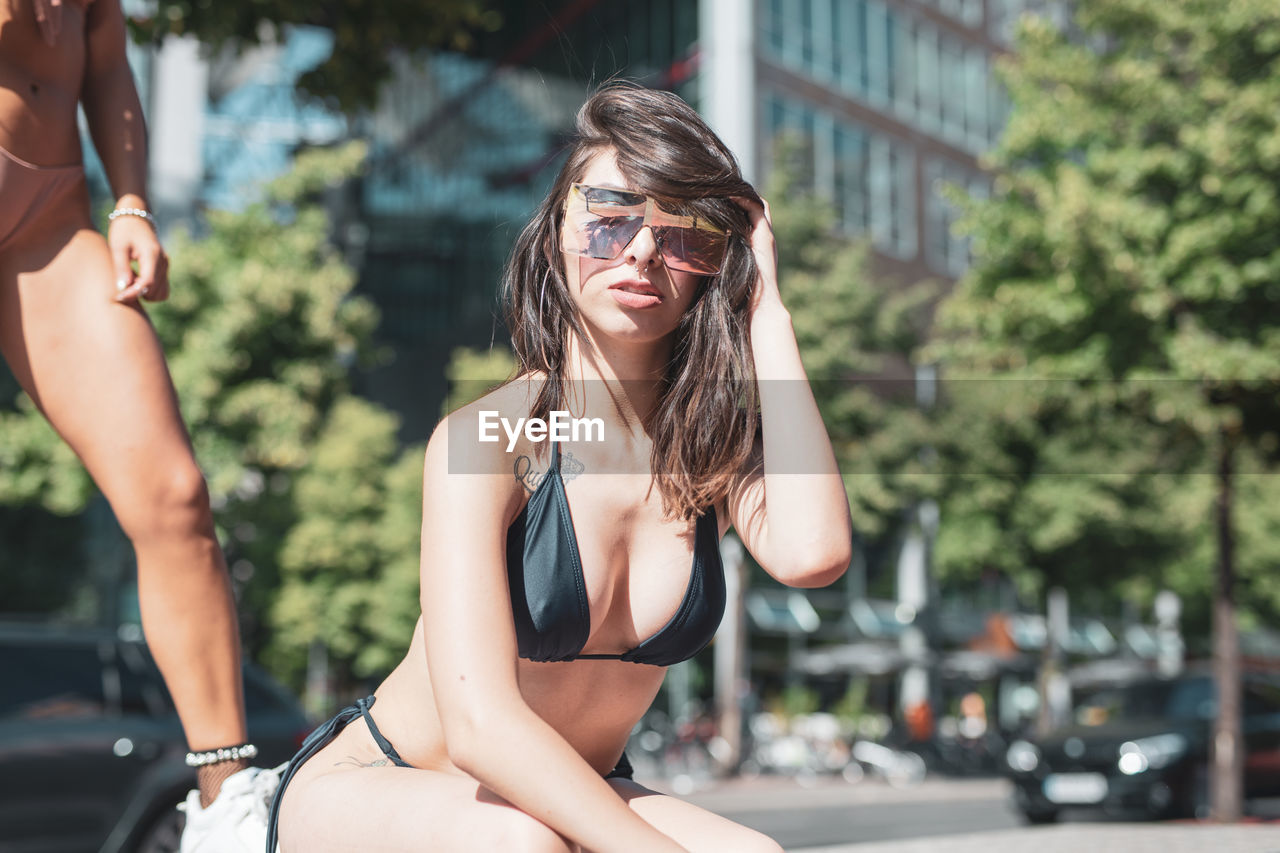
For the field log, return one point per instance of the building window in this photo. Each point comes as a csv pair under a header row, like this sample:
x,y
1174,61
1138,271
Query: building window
x,y
826,50
951,65
893,197
928,84
879,42
944,251
793,123
868,176
772,21
850,178
904,210
977,121
849,23
894,61
797,45
904,70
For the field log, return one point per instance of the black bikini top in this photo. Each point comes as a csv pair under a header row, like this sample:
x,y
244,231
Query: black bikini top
x,y
549,594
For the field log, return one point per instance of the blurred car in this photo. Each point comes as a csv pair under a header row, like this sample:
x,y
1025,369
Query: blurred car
x,y
1144,747
91,750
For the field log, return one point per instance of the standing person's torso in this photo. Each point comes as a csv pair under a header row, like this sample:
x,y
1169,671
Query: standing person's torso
x,y
40,82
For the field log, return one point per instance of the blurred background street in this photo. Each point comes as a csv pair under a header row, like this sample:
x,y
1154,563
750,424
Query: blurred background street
x,y
834,812
1030,249
951,814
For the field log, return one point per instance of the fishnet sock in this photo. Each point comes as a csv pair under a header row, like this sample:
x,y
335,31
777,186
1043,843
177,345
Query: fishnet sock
x,y
210,777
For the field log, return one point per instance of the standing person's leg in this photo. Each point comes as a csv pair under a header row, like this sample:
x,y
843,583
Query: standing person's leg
x,y
95,368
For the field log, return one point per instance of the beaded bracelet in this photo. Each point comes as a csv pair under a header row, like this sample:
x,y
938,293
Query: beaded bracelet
x,y
217,756
132,211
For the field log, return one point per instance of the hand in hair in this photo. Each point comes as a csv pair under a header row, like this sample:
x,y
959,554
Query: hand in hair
x,y
764,295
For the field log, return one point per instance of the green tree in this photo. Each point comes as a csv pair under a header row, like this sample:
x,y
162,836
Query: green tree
x,y
473,372
367,35
1050,485
349,565
1130,246
37,468
348,594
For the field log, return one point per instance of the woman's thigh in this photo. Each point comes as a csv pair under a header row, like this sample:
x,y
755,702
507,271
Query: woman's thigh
x,y
94,366
350,797
379,809
695,829
383,809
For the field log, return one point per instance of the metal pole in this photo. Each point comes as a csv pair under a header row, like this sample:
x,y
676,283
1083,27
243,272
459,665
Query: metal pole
x,y
915,585
1056,688
1168,607
913,598
730,653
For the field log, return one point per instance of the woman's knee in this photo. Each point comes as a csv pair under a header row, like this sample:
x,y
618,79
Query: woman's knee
x,y
172,500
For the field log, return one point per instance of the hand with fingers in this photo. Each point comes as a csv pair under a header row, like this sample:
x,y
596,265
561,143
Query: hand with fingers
x,y
765,295
133,238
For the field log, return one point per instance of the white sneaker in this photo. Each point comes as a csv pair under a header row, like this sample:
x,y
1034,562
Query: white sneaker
x,y
237,820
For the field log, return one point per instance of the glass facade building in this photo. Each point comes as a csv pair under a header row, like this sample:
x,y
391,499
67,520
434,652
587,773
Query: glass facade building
x,y
890,101
893,100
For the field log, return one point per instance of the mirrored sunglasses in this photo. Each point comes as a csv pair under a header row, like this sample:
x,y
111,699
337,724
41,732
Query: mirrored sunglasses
x,y
600,222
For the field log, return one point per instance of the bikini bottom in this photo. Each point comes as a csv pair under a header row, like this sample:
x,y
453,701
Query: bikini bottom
x,y
325,734
26,188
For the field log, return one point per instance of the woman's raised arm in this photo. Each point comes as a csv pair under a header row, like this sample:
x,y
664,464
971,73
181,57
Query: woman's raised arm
x,y
490,732
789,506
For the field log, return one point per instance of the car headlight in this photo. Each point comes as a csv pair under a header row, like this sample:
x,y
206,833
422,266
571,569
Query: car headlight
x,y
1136,756
1022,756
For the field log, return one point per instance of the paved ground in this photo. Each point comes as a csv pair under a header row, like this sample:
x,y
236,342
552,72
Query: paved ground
x,y
832,811
964,816
773,793
1093,838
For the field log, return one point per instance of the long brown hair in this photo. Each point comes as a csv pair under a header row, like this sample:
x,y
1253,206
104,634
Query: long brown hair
x,y
705,422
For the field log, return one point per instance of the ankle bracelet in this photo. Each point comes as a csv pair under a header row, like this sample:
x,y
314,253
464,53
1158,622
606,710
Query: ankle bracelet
x,y
217,756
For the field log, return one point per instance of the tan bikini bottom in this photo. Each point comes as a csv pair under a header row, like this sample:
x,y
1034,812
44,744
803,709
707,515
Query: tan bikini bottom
x,y
26,188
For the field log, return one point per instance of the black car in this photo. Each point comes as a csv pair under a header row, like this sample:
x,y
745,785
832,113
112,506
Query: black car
x,y
1144,747
91,750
